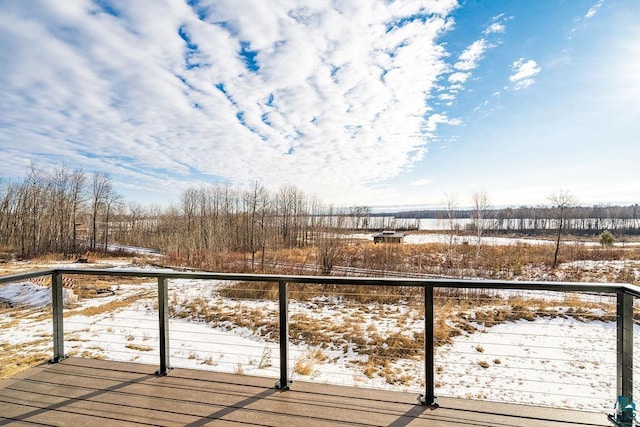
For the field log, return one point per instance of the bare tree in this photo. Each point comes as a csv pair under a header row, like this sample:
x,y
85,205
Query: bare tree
x,y
451,203
480,205
287,202
264,214
256,201
360,215
111,200
562,201
100,189
330,243
34,196
35,213
8,207
77,184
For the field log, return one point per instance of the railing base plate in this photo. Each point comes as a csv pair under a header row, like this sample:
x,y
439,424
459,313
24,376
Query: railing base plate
x,y
431,403
159,373
287,386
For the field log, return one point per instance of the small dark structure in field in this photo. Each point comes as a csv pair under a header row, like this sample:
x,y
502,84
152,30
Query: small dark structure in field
x,y
388,236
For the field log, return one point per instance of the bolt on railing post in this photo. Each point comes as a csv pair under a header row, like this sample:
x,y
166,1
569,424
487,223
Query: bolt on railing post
x,y
163,322
58,317
624,323
429,398
283,303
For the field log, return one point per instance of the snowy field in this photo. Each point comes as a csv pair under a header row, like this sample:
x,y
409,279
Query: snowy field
x,y
555,359
427,238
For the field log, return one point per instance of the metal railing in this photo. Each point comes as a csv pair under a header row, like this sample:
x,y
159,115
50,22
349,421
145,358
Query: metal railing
x,y
624,294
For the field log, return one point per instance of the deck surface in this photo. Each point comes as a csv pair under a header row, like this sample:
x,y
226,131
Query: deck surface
x,y
79,392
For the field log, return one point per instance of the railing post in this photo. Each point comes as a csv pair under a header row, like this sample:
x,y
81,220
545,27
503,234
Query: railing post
x,y
58,317
283,302
163,321
624,321
429,397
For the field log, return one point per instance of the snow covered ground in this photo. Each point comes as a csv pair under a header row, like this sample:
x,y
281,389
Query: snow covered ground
x,y
554,360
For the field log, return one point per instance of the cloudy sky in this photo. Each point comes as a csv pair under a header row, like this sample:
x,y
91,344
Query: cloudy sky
x,y
359,102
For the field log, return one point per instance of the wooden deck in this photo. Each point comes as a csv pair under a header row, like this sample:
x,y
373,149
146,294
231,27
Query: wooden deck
x,y
79,392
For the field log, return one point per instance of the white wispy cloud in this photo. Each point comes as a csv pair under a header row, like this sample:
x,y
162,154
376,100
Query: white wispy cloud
x,y
468,59
459,77
495,27
321,95
523,73
594,9
497,24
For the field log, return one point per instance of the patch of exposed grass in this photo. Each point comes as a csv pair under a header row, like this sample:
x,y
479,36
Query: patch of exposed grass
x,y
303,367
396,345
395,376
250,290
314,332
306,363
10,322
15,358
14,365
139,347
108,307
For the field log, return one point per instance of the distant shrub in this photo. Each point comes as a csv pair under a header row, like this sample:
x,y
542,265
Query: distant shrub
x,y
606,238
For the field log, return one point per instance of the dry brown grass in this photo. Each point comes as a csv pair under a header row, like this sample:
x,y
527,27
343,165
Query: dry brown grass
x,y
306,363
495,261
306,292
250,290
108,307
519,308
15,358
237,262
317,355
314,332
303,367
89,286
10,318
10,366
139,347
226,314
395,376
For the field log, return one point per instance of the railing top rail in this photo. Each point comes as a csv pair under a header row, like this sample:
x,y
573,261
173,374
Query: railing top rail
x,y
341,280
25,276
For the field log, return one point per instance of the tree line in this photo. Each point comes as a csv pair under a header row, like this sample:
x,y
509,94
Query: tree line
x,y
70,211
56,210
580,219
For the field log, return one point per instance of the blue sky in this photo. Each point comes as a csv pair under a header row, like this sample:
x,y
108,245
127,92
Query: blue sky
x,y
376,102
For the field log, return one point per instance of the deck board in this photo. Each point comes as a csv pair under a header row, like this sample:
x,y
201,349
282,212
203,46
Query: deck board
x,y
104,393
